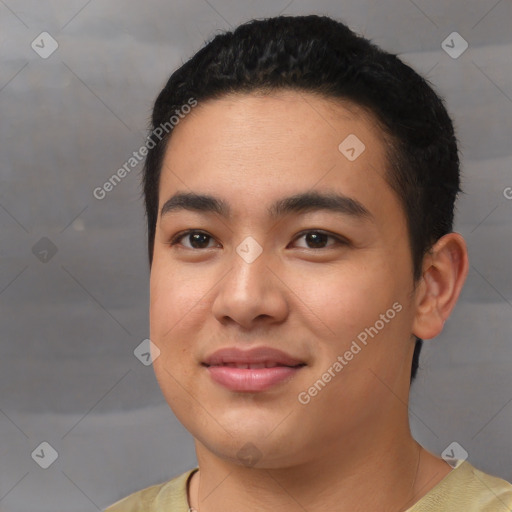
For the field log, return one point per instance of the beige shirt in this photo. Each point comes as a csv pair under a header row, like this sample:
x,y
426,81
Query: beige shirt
x,y
464,489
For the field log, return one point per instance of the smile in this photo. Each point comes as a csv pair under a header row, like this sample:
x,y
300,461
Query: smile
x,y
253,370
251,377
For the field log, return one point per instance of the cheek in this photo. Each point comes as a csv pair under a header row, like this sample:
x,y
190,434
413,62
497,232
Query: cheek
x,y
171,309
175,296
347,303
344,299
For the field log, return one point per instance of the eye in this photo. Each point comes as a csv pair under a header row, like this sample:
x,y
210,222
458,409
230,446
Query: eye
x,y
197,239
316,239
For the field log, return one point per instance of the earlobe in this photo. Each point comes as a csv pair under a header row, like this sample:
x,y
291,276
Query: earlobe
x,y
445,269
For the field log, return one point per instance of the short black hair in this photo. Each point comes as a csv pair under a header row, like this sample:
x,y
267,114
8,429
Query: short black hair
x,y
321,55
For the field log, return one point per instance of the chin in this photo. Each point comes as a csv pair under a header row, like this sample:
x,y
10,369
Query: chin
x,y
250,452
265,444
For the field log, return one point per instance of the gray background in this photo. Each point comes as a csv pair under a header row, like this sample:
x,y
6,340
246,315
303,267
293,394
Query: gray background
x,y
69,325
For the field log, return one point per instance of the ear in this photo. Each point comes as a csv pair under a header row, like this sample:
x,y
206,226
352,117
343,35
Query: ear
x,y
445,268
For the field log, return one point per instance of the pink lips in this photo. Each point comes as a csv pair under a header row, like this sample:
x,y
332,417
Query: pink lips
x,y
257,369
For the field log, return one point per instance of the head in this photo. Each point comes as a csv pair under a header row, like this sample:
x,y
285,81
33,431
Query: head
x,y
275,99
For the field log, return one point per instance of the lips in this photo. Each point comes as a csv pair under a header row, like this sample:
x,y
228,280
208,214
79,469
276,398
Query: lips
x,y
257,369
262,356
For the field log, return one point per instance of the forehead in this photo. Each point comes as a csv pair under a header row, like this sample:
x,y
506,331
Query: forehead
x,y
247,148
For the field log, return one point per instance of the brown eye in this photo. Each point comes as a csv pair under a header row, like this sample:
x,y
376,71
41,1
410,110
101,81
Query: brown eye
x,y
196,239
315,239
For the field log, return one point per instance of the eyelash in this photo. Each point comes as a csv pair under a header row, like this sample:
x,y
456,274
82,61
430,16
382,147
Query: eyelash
x,y
339,240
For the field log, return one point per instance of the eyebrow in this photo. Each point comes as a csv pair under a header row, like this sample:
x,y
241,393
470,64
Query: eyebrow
x,y
298,203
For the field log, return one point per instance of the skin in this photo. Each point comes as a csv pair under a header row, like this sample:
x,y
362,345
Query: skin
x,y
350,448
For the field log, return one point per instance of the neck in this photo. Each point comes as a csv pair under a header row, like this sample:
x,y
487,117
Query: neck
x,y
388,473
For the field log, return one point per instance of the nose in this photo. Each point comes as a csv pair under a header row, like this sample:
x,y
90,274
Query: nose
x,y
250,294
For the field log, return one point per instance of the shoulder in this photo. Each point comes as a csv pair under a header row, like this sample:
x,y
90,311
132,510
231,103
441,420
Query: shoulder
x,y
467,489
170,496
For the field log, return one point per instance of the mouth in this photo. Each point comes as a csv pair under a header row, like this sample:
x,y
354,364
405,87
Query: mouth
x,y
252,370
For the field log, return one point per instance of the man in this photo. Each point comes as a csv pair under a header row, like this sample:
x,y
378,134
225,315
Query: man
x,y
300,213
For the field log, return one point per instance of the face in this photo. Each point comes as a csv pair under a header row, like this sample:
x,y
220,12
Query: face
x,y
300,246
